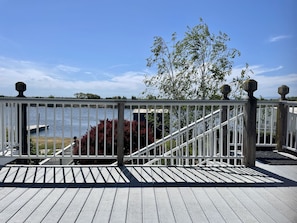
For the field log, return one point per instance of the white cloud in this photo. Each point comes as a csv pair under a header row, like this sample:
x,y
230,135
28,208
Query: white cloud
x,y
268,81
68,69
259,69
278,38
45,81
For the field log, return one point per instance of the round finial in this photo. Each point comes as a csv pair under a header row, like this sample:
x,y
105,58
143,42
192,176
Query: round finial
x,y
21,88
225,90
283,91
250,86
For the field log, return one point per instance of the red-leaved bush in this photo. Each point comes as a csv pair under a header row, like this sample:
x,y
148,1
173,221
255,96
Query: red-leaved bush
x,y
134,137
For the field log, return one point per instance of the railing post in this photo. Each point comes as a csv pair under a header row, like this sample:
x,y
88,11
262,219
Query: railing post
x,y
282,117
120,134
22,124
249,124
225,90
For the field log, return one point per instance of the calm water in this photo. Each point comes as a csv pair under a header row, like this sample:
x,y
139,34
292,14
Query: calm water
x,y
70,122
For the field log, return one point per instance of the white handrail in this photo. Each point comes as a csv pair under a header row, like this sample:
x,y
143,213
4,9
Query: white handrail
x,y
168,153
170,136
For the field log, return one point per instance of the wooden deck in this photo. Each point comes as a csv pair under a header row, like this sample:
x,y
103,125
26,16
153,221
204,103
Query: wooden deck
x,y
267,193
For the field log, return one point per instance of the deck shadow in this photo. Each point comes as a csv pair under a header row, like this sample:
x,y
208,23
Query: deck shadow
x,y
139,176
274,158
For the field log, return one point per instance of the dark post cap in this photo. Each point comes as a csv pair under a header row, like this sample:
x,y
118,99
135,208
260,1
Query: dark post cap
x,y
225,90
21,88
250,86
283,91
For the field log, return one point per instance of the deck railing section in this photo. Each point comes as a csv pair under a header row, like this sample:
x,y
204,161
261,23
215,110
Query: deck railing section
x,y
291,133
266,123
175,132
146,132
195,137
57,123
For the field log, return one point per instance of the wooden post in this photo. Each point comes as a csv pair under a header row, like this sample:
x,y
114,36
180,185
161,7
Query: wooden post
x,y
120,134
225,90
22,118
249,124
282,118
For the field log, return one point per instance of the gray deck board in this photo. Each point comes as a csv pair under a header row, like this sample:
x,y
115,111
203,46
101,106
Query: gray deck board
x,y
178,206
285,208
164,208
6,201
119,208
134,208
265,201
90,206
237,207
148,194
105,205
14,207
56,212
25,211
207,205
149,206
47,204
222,206
193,206
284,195
257,211
141,175
5,191
73,210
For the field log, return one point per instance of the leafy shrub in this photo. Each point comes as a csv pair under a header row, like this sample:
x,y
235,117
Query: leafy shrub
x,y
110,134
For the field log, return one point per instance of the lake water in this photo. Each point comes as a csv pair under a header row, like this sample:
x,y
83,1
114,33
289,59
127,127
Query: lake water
x,y
70,122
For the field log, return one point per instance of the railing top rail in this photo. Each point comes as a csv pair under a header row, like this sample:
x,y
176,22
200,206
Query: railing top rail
x,y
275,103
291,103
58,100
259,102
128,102
184,102
115,101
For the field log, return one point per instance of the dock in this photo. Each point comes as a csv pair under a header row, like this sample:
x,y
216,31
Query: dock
x,y
33,128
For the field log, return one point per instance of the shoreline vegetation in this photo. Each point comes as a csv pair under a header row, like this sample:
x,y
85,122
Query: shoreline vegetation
x,y
48,143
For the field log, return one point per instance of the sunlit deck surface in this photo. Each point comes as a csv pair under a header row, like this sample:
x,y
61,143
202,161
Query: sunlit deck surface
x,y
266,193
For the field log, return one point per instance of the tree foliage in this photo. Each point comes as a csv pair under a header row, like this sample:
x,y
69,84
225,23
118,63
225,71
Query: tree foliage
x,y
82,95
192,68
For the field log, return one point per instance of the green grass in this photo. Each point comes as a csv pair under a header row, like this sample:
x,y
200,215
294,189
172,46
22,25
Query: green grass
x,y
48,143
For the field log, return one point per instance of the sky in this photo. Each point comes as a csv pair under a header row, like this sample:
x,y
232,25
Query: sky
x,y
59,48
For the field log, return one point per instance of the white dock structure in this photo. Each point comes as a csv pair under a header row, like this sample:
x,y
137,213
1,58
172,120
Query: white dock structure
x,y
35,128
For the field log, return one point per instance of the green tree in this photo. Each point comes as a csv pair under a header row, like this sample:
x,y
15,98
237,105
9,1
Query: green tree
x,y
194,67
82,95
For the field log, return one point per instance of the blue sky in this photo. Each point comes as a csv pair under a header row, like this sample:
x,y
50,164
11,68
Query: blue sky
x,y
100,46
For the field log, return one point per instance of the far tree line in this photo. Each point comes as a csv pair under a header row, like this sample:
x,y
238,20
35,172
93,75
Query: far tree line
x,y
82,95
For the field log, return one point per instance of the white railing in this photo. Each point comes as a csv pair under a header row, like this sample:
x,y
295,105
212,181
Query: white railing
x,y
266,123
291,136
164,127
200,141
155,131
65,120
